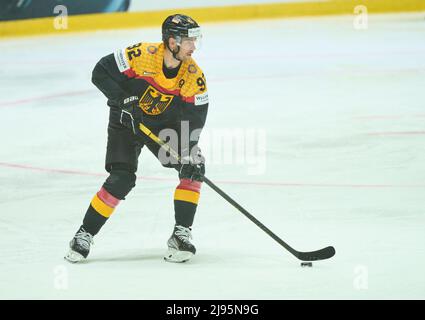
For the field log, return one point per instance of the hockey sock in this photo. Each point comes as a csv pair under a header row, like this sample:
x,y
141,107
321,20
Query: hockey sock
x,y
101,208
186,199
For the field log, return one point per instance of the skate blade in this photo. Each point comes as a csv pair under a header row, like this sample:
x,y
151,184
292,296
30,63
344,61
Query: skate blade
x,y
74,256
174,255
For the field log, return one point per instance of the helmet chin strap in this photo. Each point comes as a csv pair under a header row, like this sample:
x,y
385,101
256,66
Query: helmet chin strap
x,y
175,54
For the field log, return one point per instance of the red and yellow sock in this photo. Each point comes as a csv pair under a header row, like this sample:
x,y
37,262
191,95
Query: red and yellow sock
x,y
101,208
186,198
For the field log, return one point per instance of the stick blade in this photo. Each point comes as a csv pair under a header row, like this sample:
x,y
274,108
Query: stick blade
x,y
321,254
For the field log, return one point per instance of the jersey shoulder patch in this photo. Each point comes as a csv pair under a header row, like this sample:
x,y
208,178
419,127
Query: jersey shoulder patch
x,y
200,99
120,59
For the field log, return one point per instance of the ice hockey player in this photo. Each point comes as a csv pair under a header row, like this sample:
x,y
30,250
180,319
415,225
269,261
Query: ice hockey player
x,y
161,86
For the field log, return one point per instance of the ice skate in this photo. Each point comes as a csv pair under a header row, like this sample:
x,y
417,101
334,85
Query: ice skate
x,y
79,247
180,249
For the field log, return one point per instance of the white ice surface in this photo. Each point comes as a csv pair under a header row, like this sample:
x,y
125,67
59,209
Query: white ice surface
x,y
343,112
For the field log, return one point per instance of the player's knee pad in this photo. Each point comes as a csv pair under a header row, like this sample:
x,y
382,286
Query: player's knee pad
x,y
120,182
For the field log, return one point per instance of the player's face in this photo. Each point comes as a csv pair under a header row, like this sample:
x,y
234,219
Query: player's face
x,y
187,48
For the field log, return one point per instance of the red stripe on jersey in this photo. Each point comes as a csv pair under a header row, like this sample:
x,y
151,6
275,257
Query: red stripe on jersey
x,y
189,99
130,73
158,87
187,184
108,198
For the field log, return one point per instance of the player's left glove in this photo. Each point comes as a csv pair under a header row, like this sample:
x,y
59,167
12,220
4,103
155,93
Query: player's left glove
x,y
192,167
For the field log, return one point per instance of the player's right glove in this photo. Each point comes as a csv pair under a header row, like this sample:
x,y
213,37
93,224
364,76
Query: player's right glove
x,y
131,113
192,167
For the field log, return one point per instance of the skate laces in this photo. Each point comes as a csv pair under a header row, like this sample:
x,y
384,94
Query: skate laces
x,y
84,238
183,233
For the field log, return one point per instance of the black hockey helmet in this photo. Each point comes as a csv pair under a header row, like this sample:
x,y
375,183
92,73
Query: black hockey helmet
x,y
179,26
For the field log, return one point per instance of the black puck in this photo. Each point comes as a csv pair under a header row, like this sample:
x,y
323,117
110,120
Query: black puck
x,y
306,264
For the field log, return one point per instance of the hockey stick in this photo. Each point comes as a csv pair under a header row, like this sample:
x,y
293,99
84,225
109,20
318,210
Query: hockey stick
x,y
321,254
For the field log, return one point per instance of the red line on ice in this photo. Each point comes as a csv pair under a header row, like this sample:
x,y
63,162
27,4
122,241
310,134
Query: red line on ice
x,y
396,133
268,184
388,117
53,96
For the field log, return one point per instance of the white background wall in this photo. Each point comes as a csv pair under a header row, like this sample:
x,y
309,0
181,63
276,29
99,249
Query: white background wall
x,y
146,5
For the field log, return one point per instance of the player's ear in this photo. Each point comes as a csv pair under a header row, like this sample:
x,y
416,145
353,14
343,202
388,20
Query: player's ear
x,y
171,43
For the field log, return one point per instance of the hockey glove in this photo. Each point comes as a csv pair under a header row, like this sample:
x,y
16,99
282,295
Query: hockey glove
x,y
131,113
192,167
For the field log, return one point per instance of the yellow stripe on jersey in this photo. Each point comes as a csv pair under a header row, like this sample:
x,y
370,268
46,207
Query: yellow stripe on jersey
x,y
102,208
186,195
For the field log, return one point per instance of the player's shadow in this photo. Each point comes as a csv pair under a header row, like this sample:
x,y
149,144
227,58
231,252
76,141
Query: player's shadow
x,y
130,257
124,259
151,256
